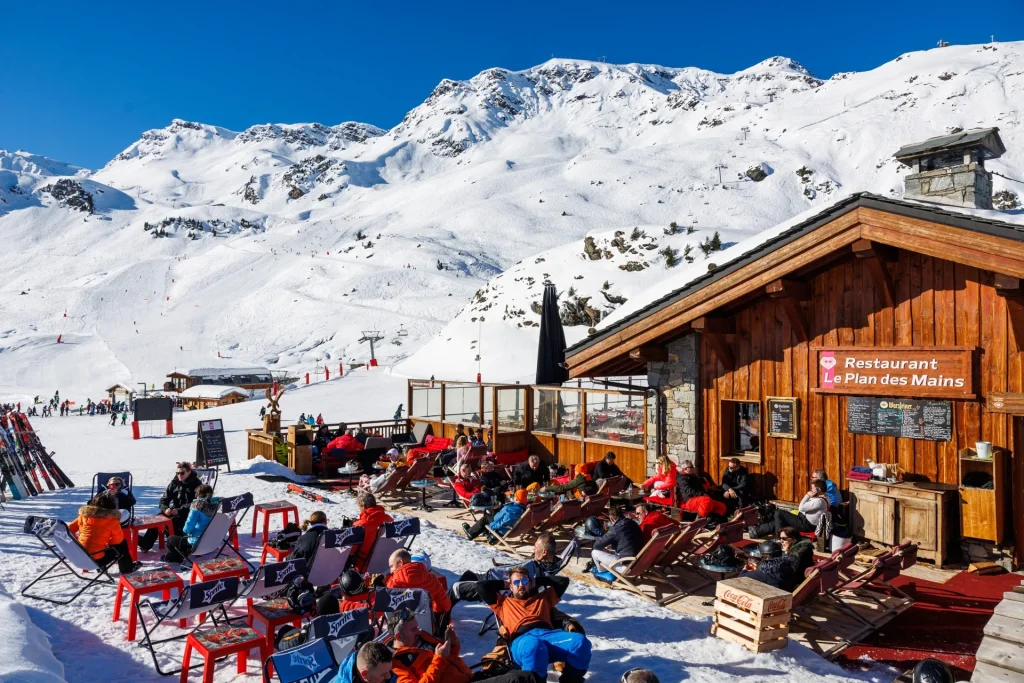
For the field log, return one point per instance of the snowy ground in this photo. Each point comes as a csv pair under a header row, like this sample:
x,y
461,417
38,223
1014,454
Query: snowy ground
x,y
625,631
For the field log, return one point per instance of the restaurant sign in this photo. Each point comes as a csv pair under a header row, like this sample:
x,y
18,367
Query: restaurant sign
x,y
932,371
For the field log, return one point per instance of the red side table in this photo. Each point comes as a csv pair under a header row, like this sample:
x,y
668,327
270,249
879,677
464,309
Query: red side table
x,y
279,554
221,642
273,614
218,568
159,580
158,522
277,507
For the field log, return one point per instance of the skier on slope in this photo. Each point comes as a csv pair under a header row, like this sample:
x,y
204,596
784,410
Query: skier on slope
x,y
113,420
124,418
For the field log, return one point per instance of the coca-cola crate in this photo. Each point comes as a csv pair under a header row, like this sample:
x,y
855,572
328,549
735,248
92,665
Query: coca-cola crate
x,y
752,614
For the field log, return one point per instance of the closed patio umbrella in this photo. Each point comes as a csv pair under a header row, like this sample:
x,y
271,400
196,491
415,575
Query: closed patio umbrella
x,y
551,347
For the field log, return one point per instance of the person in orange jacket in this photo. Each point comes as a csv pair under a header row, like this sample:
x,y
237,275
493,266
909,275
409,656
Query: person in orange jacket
x,y
421,658
98,528
371,516
408,574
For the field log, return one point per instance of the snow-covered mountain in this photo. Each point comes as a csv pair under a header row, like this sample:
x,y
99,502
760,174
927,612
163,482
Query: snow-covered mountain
x,y
282,244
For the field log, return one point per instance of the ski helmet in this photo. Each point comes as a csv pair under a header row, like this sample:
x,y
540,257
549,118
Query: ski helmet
x,y
932,671
352,582
423,559
769,549
594,526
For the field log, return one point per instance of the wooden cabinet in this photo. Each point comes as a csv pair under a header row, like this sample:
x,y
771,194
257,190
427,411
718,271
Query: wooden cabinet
x,y
983,510
890,514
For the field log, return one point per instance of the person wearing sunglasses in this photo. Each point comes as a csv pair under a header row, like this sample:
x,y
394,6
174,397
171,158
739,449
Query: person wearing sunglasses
x,y
175,503
122,496
525,606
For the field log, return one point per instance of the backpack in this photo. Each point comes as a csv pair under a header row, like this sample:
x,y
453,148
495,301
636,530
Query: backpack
x,y
285,539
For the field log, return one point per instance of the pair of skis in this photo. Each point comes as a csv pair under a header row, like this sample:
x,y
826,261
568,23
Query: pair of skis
x,y
23,458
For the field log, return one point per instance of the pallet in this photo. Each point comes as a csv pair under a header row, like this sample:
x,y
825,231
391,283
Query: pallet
x,y
752,614
1000,658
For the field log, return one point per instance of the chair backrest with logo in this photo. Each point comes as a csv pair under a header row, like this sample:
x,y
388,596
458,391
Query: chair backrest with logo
x,y
207,475
415,600
391,537
342,631
273,578
309,663
68,546
332,554
199,598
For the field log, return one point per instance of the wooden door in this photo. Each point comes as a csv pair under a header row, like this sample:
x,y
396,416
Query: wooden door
x,y
918,522
873,517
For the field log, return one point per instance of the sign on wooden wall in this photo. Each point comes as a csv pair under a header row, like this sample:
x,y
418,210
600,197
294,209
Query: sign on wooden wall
x,y
783,417
905,418
926,371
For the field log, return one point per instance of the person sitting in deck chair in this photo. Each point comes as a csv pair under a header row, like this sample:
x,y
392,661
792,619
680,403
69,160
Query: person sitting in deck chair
x,y
693,494
354,593
736,485
623,537
524,608
202,510
663,482
371,517
122,496
606,469
466,483
797,547
492,481
98,528
405,573
773,567
533,471
371,663
651,519
815,503
422,658
501,521
174,503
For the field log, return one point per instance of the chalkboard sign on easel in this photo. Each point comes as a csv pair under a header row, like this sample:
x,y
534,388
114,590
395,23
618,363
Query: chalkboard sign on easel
x,y
211,447
783,417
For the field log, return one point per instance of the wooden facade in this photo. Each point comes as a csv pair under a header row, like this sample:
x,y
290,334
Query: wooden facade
x,y
938,303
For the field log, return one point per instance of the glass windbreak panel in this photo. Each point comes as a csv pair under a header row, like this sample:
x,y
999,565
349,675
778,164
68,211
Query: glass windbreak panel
x,y
545,411
426,402
462,403
615,417
747,427
511,410
570,405
488,405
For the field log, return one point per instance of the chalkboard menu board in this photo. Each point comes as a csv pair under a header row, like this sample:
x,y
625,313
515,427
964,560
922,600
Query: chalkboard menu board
x,y
783,417
906,418
153,409
211,447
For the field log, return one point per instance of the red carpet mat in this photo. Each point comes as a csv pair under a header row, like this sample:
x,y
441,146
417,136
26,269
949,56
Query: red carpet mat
x,y
946,622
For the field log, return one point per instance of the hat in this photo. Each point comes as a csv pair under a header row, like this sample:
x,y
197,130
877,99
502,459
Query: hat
x,y
533,487
521,497
423,559
394,453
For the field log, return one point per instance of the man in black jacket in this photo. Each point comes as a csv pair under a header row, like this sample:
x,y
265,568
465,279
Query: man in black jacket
x,y
736,485
623,537
775,568
174,503
533,471
606,469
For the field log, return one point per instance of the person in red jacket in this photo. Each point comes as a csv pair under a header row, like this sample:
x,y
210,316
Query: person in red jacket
x,y
663,483
371,516
408,574
466,484
354,594
650,520
345,442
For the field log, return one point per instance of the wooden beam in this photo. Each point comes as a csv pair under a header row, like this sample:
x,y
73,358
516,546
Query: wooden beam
x,y
710,325
722,350
797,319
801,291
649,353
875,257
1009,288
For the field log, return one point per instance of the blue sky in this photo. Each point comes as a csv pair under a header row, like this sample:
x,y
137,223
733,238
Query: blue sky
x,y
80,81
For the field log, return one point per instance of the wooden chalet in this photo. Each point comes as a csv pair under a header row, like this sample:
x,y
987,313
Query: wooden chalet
x,y
877,330
241,377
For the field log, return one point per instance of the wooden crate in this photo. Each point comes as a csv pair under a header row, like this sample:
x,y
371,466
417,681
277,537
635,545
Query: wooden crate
x,y
752,614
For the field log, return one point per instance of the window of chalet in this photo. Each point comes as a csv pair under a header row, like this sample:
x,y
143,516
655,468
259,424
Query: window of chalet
x,y
741,427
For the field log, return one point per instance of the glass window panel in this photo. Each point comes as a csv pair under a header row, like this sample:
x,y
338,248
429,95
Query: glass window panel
x,y
545,411
570,404
462,403
488,405
511,409
615,417
426,402
747,427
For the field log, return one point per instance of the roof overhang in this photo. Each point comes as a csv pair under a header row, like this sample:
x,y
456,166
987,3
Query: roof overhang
x,y
962,238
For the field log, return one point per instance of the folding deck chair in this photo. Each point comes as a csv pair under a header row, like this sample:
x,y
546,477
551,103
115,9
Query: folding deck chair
x,y
684,542
628,572
414,439
820,581
69,553
535,514
391,536
878,576
563,513
419,469
312,662
207,475
612,486
204,600
217,534
341,631
594,506
747,515
99,485
332,554
271,579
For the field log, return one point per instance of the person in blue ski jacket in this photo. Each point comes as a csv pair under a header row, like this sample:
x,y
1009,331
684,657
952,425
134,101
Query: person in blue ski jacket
x,y
370,664
202,510
502,521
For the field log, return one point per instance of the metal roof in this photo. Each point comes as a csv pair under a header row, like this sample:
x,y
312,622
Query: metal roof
x,y
933,213
987,138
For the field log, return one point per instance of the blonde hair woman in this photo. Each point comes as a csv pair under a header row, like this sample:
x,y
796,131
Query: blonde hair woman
x,y
663,483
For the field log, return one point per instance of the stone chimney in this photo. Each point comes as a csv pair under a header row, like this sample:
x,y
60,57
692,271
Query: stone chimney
x,y
950,169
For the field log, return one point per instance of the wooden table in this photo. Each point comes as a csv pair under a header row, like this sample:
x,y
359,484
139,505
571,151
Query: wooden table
x,y
891,514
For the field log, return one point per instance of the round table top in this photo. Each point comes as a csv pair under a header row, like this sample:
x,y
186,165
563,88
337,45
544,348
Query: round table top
x,y
421,483
482,508
582,535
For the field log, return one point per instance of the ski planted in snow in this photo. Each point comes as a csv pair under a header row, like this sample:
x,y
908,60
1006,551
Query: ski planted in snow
x,y
48,466
10,477
15,459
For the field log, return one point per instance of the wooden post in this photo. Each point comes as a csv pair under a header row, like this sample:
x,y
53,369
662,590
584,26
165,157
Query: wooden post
x,y
1013,294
